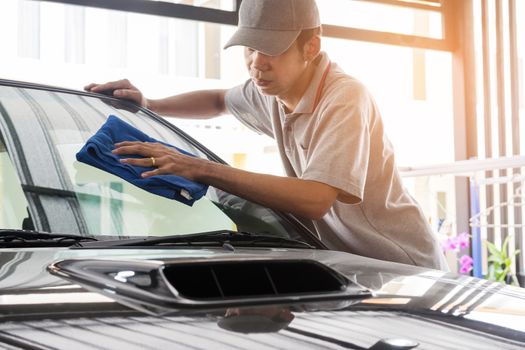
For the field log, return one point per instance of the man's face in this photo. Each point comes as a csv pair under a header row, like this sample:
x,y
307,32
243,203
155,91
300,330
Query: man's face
x,y
276,75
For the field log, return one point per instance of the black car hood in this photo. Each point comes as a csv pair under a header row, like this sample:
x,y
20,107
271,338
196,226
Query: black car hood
x,y
435,309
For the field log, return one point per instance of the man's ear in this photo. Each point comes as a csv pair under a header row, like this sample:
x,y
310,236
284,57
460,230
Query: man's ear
x,y
312,48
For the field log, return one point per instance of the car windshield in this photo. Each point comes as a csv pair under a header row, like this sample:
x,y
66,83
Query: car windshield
x,y
43,187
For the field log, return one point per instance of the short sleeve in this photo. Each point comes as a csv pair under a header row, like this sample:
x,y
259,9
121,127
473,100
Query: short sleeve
x,y
250,107
338,150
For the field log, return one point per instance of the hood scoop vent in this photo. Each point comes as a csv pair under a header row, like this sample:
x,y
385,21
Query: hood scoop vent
x,y
159,287
253,279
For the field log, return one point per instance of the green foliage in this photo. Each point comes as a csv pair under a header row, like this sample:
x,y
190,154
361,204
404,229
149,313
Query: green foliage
x,y
500,263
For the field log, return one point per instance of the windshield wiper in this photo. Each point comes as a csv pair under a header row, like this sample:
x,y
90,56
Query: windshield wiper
x,y
213,238
24,238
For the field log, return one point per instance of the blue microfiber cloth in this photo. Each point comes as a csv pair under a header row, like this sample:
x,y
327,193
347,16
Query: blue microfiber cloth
x,y
97,152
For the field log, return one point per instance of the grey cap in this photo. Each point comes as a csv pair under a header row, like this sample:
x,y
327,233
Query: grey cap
x,y
271,26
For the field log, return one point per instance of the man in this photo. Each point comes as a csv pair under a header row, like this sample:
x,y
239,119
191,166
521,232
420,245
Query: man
x,y
340,166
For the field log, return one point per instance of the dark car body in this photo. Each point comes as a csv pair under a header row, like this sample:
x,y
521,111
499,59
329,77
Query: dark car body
x,y
225,273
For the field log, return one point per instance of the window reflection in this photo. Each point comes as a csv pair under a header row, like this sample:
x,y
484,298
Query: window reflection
x,y
72,197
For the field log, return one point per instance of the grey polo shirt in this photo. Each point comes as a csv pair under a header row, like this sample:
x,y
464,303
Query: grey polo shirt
x,y
336,136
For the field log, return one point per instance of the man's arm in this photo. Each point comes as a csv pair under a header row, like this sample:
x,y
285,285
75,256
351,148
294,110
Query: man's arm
x,y
305,198
201,104
198,104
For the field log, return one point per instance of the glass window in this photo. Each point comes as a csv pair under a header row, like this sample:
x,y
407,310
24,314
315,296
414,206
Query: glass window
x,y
28,29
50,128
382,17
14,212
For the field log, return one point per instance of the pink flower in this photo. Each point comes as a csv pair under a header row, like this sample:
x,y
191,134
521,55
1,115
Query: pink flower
x,y
465,269
450,244
466,264
466,260
463,240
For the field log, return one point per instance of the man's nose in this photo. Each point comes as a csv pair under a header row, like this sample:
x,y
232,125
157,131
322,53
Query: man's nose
x,y
260,61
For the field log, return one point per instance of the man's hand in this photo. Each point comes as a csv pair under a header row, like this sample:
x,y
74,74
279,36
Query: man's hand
x,y
121,89
165,160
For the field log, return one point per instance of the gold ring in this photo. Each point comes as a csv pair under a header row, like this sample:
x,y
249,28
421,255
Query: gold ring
x,y
152,161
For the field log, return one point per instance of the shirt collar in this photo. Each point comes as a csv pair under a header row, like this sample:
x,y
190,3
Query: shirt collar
x,y
312,94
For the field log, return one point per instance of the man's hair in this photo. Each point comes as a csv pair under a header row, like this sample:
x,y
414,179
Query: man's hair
x,y
307,34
